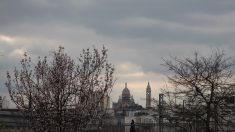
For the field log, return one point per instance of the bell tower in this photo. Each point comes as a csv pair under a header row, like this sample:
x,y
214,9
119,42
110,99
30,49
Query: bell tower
x,y
148,96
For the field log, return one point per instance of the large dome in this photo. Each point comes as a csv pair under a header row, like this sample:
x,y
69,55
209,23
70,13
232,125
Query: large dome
x,y
126,94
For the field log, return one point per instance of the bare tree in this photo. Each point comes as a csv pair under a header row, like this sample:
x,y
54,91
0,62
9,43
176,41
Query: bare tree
x,y
61,95
202,85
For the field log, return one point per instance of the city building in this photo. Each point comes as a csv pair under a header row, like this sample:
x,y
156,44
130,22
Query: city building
x,y
125,103
3,102
148,96
105,102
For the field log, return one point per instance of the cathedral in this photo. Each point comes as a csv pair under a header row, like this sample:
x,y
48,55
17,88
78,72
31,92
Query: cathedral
x,y
127,102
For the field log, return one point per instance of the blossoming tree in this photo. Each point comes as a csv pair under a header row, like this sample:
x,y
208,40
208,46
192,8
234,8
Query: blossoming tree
x,y
59,94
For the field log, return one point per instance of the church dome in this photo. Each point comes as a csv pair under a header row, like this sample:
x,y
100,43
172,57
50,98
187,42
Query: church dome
x,y
126,94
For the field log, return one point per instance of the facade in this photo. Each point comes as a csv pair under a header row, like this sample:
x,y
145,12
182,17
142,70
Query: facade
x,y
103,98
3,102
148,96
105,102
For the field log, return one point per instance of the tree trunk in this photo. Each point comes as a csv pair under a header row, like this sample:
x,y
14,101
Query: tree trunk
x,y
208,118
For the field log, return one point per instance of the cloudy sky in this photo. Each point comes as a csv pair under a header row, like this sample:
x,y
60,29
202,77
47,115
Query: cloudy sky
x,y
138,34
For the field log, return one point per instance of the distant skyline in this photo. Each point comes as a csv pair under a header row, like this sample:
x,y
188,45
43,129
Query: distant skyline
x,y
137,33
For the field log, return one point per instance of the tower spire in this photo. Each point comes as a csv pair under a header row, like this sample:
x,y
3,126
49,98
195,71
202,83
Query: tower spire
x,y
148,96
125,85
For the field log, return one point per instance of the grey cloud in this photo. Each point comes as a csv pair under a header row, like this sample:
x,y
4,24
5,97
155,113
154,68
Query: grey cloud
x,y
168,27
103,15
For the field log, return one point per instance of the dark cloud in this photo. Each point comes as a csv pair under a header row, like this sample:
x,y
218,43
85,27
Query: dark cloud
x,y
137,33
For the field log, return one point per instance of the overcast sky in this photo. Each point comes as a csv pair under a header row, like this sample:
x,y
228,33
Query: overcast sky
x,y
138,34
